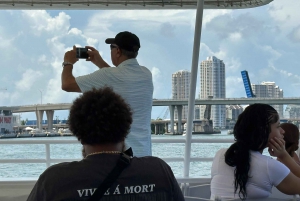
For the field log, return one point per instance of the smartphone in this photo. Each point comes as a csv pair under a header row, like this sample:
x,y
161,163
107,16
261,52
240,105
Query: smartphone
x,y
81,53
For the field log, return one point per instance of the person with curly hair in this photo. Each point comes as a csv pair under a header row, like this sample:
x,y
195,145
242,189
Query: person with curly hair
x,y
128,78
241,171
100,119
291,138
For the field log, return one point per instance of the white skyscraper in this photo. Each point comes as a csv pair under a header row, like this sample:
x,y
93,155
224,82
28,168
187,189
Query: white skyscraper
x,y
269,90
181,89
212,83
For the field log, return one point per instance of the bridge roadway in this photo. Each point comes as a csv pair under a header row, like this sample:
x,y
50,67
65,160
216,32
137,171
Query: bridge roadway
x,y
164,102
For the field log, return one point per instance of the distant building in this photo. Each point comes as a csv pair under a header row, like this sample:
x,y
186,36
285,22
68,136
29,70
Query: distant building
x,y
8,121
269,90
232,114
292,112
212,83
197,112
233,111
181,89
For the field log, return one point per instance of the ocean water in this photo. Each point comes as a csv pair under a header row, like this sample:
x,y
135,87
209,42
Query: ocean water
x,y
67,151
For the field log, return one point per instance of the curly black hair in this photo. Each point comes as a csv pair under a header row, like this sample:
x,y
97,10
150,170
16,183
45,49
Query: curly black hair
x,y
251,132
100,116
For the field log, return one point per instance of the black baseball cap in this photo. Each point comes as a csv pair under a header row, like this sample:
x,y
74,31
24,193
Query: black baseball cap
x,y
125,40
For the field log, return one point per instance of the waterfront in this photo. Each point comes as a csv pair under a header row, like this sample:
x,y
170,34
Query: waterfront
x,y
67,151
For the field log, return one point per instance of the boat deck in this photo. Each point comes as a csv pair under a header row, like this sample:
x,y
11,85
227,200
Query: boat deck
x,y
194,189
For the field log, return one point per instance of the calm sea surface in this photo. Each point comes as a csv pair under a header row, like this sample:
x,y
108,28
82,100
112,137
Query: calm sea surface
x,y
197,169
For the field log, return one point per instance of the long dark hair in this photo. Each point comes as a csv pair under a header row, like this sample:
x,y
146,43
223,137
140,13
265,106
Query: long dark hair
x,y
251,132
291,137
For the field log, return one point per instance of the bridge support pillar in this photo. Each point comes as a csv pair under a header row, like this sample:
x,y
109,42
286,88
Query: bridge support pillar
x,y
172,108
39,119
155,129
179,111
166,128
50,114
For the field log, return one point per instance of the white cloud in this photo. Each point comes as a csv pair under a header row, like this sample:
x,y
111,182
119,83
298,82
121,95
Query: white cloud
x,y
274,54
209,15
29,78
295,34
99,25
5,42
287,74
286,15
233,64
41,21
75,31
42,58
235,36
157,81
235,87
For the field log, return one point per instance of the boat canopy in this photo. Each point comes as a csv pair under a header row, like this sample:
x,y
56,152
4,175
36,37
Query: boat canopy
x,y
28,128
126,4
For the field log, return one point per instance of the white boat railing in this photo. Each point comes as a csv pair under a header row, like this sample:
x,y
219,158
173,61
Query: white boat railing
x,y
48,160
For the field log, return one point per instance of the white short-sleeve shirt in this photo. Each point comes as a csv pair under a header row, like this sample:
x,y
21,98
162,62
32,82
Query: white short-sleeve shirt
x,y
134,83
265,172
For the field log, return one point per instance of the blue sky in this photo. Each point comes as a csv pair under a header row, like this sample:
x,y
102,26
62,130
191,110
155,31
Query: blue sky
x,y
265,41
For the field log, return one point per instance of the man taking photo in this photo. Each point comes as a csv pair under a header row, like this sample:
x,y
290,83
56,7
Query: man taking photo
x,y
132,81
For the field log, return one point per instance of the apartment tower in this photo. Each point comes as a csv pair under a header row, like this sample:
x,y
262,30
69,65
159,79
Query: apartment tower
x,y
181,89
269,90
212,83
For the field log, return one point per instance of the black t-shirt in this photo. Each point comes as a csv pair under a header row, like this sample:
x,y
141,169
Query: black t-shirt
x,y
146,178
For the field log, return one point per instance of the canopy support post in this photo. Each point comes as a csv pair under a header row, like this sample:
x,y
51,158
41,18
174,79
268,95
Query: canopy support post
x,y
194,70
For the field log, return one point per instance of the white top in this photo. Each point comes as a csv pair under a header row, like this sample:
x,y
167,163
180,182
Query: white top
x,y
134,83
265,172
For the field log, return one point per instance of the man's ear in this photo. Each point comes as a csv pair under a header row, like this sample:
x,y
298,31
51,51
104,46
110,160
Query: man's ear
x,y
119,52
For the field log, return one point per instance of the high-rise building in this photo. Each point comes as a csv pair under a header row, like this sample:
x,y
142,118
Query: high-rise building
x,y
269,90
233,111
181,89
212,83
292,112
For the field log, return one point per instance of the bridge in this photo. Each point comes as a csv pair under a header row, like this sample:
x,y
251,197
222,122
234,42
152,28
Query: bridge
x,y
164,102
49,108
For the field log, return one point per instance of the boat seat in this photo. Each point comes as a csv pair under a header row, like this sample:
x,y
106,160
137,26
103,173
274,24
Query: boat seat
x,y
16,190
202,192
188,198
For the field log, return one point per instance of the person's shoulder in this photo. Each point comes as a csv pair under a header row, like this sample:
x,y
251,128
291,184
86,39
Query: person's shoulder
x,y
60,167
221,151
152,160
148,158
145,69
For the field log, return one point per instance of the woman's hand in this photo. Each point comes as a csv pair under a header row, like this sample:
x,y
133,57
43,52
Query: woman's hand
x,y
277,148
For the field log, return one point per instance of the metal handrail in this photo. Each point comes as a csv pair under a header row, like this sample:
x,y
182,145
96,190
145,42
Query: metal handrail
x,y
48,160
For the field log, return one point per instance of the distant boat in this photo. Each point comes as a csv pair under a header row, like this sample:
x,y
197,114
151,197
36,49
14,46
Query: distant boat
x,y
23,135
38,133
230,132
66,132
53,134
11,135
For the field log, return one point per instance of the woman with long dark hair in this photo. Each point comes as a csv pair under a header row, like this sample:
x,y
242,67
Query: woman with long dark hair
x,y
242,171
291,138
